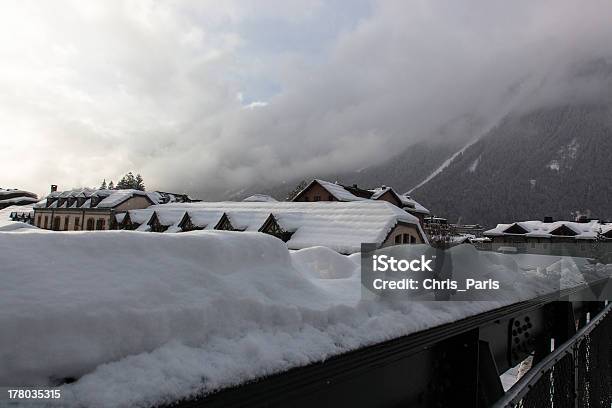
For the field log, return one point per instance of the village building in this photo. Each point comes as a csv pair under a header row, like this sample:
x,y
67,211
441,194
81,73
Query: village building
x,y
321,190
475,230
438,229
574,237
88,209
23,213
341,226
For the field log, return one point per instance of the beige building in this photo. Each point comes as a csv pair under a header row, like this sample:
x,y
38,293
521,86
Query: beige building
x,y
87,209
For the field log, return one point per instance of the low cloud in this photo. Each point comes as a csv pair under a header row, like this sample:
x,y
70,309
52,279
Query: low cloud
x,y
93,90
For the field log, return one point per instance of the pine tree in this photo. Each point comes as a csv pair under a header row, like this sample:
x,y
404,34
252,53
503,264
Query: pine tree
x,y
103,185
111,185
139,183
122,184
130,182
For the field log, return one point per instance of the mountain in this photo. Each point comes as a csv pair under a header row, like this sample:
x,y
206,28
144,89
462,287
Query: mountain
x,y
402,171
549,154
549,162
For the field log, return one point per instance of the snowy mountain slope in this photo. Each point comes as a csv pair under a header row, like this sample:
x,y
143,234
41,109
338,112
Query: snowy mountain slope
x,y
550,162
444,165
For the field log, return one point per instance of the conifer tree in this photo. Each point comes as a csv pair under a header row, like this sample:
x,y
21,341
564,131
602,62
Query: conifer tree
x,y
139,183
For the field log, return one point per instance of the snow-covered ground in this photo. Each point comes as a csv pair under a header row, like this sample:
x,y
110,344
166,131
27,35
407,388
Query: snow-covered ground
x,y
142,318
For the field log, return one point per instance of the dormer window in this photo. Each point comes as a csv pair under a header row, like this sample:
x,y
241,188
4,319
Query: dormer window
x,y
95,200
81,201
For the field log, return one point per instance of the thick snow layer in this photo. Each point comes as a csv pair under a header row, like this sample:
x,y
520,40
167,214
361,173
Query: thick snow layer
x,y
540,229
407,200
14,191
260,198
338,191
141,319
116,197
342,226
19,200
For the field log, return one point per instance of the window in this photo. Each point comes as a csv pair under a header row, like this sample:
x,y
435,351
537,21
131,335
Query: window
x,y
38,223
90,224
46,221
66,221
56,223
330,198
100,224
413,239
398,239
317,198
533,244
76,223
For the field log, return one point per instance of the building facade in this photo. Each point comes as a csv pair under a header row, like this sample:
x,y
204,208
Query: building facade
x,y
86,209
577,238
321,190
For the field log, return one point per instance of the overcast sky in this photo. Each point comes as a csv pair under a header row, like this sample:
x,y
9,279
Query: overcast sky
x,y
210,96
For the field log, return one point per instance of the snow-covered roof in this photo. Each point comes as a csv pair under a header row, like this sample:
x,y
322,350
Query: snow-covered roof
x,y
540,229
11,192
108,198
342,226
117,197
119,217
162,197
343,193
17,200
339,192
9,197
263,198
408,201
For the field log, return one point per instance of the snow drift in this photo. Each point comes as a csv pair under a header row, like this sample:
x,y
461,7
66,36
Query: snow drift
x,y
141,319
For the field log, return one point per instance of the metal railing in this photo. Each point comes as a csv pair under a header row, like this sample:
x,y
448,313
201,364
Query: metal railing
x,y
576,374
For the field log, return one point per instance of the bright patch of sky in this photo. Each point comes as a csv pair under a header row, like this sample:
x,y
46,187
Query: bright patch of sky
x,y
272,40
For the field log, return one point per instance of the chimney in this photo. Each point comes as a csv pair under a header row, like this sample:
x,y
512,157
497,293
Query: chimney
x,y
53,188
548,220
383,186
354,185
